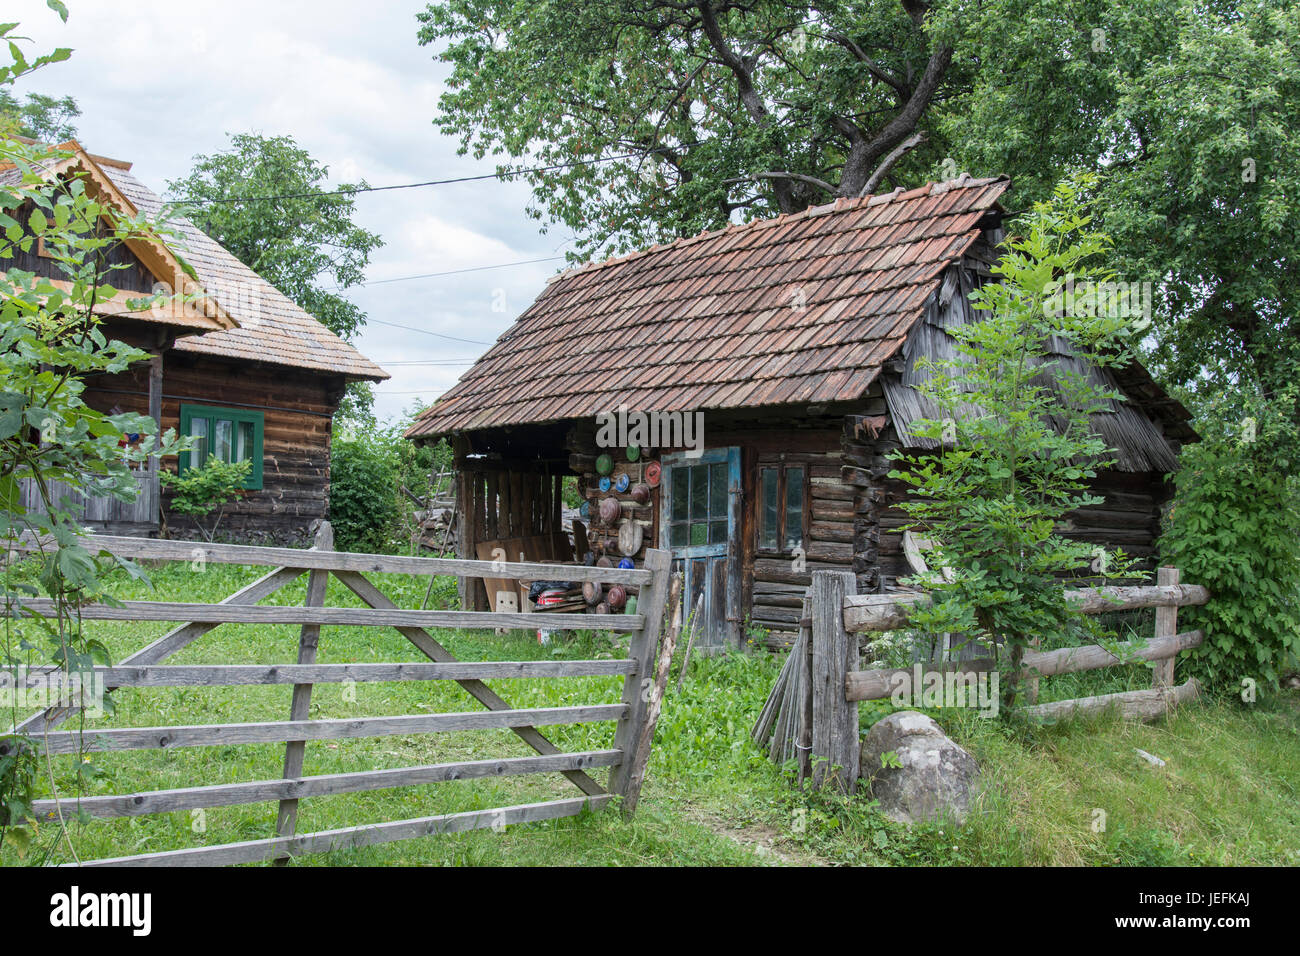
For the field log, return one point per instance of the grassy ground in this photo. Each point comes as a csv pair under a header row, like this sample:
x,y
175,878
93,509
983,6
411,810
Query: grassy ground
x,y
1227,794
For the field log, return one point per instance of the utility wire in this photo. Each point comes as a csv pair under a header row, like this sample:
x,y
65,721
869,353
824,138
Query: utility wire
x,y
450,272
353,190
411,328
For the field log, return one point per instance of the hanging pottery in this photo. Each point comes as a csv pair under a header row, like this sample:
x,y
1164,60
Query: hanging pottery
x,y
604,483
626,564
617,596
621,484
641,493
633,452
609,510
629,537
653,471
602,608
592,592
604,464
584,509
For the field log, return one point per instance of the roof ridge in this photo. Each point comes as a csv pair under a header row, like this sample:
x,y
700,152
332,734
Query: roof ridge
x,y
839,204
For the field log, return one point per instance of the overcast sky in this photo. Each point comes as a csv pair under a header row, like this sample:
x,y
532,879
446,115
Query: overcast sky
x,y
159,81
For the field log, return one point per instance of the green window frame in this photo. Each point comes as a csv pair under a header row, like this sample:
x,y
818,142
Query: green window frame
x,y
232,434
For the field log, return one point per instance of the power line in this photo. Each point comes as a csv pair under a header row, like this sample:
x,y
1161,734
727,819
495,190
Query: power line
x,y
425,362
450,272
411,328
353,190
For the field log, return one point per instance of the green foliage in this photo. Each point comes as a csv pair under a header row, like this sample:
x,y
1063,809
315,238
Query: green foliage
x,y
41,117
364,474
1235,528
50,340
1017,446
200,491
687,104
293,243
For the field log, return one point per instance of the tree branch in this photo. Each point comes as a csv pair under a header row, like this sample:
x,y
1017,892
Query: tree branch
x,y
886,164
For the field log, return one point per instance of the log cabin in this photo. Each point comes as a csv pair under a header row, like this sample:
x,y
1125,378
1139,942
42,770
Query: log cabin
x,y
793,344
235,364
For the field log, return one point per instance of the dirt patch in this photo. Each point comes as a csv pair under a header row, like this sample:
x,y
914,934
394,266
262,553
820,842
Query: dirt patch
x,y
765,842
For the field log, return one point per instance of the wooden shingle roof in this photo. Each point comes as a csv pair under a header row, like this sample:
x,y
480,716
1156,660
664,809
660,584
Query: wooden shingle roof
x,y
272,327
803,308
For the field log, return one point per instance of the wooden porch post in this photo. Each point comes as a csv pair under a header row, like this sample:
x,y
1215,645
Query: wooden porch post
x,y
835,744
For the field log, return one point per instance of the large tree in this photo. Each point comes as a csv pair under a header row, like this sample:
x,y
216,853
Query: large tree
x,y
1189,110
269,202
715,107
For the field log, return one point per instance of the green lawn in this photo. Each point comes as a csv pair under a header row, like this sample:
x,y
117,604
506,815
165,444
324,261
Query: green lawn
x,y
1227,795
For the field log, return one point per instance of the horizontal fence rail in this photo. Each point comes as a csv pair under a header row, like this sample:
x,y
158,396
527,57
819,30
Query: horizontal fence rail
x,y
812,712
144,669
231,675
202,552
337,616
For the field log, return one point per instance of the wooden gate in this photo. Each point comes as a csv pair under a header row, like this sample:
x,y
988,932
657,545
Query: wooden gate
x,y
144,669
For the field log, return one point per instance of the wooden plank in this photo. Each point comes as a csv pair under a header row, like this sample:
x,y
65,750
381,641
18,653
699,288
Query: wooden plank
x,y
336,616
259,791
641,649
262,732
834,718
167,550
639,758
886,612
300,705
1132,704
877,684
232,675
347,838
485,695
165,646
1166,626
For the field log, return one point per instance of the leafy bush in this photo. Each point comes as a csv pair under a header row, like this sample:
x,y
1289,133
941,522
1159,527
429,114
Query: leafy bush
x,y
200,491
1235,528
364,509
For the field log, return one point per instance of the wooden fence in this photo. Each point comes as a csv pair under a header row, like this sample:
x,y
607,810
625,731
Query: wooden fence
x,y
812,714
144,669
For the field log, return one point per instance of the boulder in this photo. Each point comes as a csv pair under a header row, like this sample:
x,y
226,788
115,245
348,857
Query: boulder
x,y
937,777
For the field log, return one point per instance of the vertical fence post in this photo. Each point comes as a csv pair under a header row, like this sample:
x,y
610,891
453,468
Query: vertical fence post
x,y
636,686
300,709
1166,626
801,674
835,744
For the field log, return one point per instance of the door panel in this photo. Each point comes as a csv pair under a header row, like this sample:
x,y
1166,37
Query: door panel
x,y
699,525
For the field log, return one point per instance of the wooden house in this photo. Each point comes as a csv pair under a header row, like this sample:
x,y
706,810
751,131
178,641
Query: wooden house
x,y
239,366
793,343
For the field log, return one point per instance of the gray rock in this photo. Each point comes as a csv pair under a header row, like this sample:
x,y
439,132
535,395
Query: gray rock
x,y
937,777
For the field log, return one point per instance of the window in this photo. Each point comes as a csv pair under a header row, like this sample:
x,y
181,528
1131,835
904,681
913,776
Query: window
x,y
229,433
781,491
697,505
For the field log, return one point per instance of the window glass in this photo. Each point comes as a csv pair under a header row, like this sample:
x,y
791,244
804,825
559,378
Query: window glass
x,y
718,490
222,438
768,510
243,441
199,453
699,492
699,533
677,535
718,531
793,507
681,487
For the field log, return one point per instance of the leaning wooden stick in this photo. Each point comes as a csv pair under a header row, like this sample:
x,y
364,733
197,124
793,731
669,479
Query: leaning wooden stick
x,y
641,747
690,624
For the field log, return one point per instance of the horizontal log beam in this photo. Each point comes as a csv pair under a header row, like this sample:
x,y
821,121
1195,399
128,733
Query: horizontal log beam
x,y
886,612
880,683
259,791
230,675
212,735
1132,704
347,838
167,550
340,616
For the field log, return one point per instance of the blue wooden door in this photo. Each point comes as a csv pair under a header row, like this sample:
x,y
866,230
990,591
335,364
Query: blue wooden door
x,y
699,523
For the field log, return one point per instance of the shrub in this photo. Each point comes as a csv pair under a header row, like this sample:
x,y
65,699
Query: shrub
x,y
364,509
1235,528
200,491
